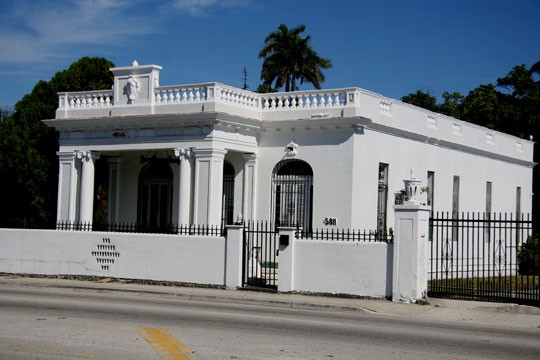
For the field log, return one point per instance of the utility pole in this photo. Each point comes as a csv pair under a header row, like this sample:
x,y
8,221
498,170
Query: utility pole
x,y
245,86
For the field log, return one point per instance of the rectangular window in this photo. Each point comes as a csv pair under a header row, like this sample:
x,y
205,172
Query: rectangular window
x,y
455,207
518,214
518,203
487,215
431,191
488,197
382,198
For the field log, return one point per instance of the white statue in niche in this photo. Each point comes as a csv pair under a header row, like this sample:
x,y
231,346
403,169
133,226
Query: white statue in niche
x,y
131,90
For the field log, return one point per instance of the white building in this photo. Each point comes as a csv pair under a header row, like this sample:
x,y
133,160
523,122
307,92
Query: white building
x,y
210,153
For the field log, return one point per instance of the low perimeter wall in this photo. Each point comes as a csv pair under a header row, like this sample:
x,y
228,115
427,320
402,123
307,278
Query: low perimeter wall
x,y
363,268
193,259
340,267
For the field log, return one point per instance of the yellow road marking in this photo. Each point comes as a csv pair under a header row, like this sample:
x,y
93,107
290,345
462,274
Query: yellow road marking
x,y
166,345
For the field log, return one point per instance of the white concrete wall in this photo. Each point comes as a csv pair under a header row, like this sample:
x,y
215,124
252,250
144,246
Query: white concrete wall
x,y
402,154
193,259
345,168
330,156
340,267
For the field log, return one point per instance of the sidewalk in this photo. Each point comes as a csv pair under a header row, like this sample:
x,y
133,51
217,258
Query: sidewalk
x,y
481,313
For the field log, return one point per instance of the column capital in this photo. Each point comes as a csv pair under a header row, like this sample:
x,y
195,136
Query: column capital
x,y
66,155
182,154
250,156
87,155
209,153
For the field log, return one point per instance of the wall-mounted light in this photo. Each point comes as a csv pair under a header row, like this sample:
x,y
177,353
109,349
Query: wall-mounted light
x,y
291,149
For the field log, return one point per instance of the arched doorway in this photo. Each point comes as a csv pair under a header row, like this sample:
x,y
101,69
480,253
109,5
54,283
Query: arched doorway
x,y
227,212
292,192
154,206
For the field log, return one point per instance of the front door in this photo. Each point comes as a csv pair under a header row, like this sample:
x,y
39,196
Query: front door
x,y
155,197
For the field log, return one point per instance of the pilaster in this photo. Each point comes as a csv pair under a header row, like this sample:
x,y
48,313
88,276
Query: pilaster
x,y
208,190
250,187
67,187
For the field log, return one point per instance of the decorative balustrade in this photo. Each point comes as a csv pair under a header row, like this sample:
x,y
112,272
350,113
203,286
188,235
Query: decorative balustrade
x,y
303,100
207,92
180,94
86,99
243,98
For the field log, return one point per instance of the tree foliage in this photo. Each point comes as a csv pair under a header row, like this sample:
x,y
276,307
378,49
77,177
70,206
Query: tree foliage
x,y
423,99
512,105
28,161
529,257
289,58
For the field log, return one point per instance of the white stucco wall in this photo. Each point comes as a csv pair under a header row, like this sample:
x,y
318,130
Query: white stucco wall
x,y
402,154
330,156
346,163
193,259
341,267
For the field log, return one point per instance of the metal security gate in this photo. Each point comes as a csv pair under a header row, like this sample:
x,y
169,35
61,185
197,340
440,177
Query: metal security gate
x,y
260,255
488,257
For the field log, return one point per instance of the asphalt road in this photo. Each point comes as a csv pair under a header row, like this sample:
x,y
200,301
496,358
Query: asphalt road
x,y
52,323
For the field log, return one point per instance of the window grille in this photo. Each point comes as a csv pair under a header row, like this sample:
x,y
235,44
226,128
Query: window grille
x,y
292,191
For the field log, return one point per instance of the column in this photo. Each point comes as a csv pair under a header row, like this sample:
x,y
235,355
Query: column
x,y
184,188
411,253
250,187
287,239
234,245
87,185
208,192
67,187
114,189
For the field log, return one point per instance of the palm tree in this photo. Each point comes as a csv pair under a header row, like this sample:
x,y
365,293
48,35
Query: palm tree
x,y
288,57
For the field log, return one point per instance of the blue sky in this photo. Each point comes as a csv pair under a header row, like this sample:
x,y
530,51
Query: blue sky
x,y
389,47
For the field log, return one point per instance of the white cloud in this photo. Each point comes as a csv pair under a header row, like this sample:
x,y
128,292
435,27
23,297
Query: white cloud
x,y
201,7
35,31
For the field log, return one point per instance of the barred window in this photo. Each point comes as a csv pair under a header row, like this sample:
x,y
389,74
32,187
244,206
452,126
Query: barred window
x,y
292,192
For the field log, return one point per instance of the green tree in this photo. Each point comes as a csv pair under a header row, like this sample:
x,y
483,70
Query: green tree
x,y
265,88
288,58
483,106
452,104
423,99
28,162
529,257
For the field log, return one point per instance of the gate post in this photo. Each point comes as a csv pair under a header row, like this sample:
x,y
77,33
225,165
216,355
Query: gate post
x,y
410,263
286,258
233,256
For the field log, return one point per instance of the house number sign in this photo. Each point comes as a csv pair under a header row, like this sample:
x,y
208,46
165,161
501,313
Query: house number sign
x,y
330,221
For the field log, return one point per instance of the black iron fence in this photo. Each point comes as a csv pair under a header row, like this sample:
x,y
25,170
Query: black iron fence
x,y
489,257
128,227
331,234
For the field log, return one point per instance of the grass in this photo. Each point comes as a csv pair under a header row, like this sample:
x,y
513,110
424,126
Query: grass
x,y
515,283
